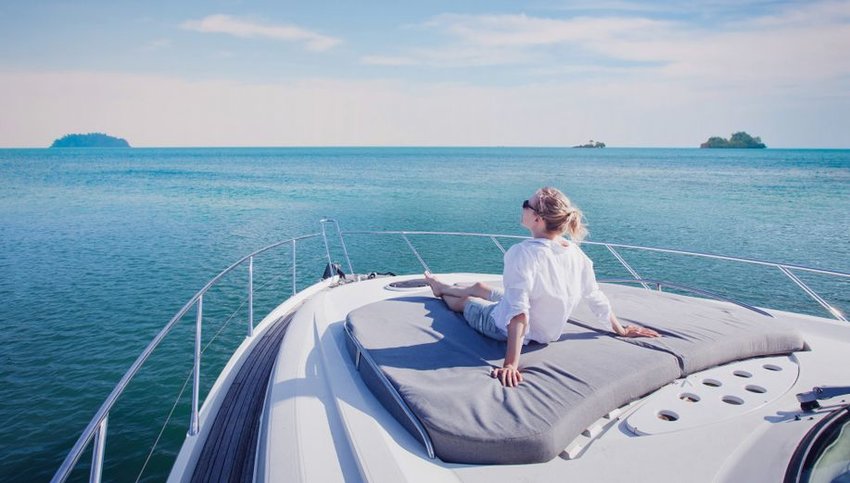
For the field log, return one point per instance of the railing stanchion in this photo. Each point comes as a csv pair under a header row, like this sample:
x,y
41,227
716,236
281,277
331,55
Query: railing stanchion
x,y
325,239
829,308
628,267
196,387
344,248
251,297
424,265
341,242
498,245
97,451
294,287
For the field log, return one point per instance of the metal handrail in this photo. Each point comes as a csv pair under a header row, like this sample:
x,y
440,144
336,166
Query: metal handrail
x,y
661,283
783,267
606,244
97,425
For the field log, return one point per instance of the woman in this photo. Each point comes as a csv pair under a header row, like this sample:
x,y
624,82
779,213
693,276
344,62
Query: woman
x,y
545,277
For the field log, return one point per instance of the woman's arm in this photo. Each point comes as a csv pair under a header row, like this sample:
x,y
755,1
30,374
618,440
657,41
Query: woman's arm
x,y
509,374
601,307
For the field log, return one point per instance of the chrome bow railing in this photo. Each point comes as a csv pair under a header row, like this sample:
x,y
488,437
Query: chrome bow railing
x,y
785,268
97,427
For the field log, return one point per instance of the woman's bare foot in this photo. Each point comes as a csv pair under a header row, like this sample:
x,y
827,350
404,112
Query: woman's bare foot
x,y
436,285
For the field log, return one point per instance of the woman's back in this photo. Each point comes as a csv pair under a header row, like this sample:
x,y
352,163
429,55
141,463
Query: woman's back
x,y
546,280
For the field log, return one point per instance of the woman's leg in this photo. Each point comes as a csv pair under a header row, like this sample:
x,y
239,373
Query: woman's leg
x,y
456,304
441,289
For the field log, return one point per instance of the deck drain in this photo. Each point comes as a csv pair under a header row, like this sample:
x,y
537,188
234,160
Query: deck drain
x,y
772,367
689,397
733,400
743,374
712,382
667,415
756,389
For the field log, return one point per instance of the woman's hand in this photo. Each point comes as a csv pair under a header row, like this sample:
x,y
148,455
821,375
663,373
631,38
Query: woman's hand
x,y
508,375
635,331
630,330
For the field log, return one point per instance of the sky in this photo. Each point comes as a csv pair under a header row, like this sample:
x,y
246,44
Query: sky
x,y
427,73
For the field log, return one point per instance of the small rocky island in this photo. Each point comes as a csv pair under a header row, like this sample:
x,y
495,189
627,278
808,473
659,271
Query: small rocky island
x,y
738,140
591,144
90,140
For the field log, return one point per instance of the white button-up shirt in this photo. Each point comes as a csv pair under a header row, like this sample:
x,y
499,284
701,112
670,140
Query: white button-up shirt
x,y
545,281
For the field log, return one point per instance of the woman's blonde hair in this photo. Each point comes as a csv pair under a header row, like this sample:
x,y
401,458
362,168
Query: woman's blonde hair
x,y
560,215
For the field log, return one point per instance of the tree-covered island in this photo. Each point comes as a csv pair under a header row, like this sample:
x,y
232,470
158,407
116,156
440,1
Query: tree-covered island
x,y
738,140
90,140
591,144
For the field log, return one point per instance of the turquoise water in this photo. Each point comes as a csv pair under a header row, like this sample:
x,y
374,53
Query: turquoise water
x,y
99,248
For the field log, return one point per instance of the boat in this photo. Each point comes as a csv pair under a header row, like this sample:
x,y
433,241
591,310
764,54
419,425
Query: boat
x,y
360,377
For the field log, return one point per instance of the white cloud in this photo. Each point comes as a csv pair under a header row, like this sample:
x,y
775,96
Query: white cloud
x,y
484,40
387,60
522,30
156,44
610,6
812,14
802,43
226,24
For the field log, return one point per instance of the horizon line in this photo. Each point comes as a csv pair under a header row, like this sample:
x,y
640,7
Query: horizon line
x,y
412,146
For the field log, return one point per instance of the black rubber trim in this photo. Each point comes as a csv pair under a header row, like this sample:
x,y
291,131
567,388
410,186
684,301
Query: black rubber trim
x,y
813,444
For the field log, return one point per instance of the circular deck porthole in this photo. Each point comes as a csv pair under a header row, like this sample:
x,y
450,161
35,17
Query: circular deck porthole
x,y
743,374
667,415
733,400
415,284
772,367
712,382
689,397
756,389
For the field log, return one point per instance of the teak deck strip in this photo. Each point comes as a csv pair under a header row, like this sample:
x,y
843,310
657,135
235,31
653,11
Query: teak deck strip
x,y
229,451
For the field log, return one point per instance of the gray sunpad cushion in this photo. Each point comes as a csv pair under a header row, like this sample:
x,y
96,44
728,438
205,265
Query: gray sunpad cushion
x,y
701,334
441,369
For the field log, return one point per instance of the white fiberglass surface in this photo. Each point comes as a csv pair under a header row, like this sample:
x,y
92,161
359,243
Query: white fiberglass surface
x,y
344,434
715,394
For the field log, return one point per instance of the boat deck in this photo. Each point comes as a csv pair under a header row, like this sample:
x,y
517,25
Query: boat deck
x,y
324,424
230,449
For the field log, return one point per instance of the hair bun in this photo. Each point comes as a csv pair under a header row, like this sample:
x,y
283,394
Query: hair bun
x,y
560,214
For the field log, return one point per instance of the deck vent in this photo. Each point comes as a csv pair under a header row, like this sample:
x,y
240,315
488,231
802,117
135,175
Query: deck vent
x,y
733,400
689,397
744,374
667,415
712,382
409,284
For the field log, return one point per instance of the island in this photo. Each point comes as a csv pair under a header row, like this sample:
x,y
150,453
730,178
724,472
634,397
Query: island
x,y
591,144
738,140
90,140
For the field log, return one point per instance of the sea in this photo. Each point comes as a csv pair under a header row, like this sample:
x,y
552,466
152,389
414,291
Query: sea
x,y
99,248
